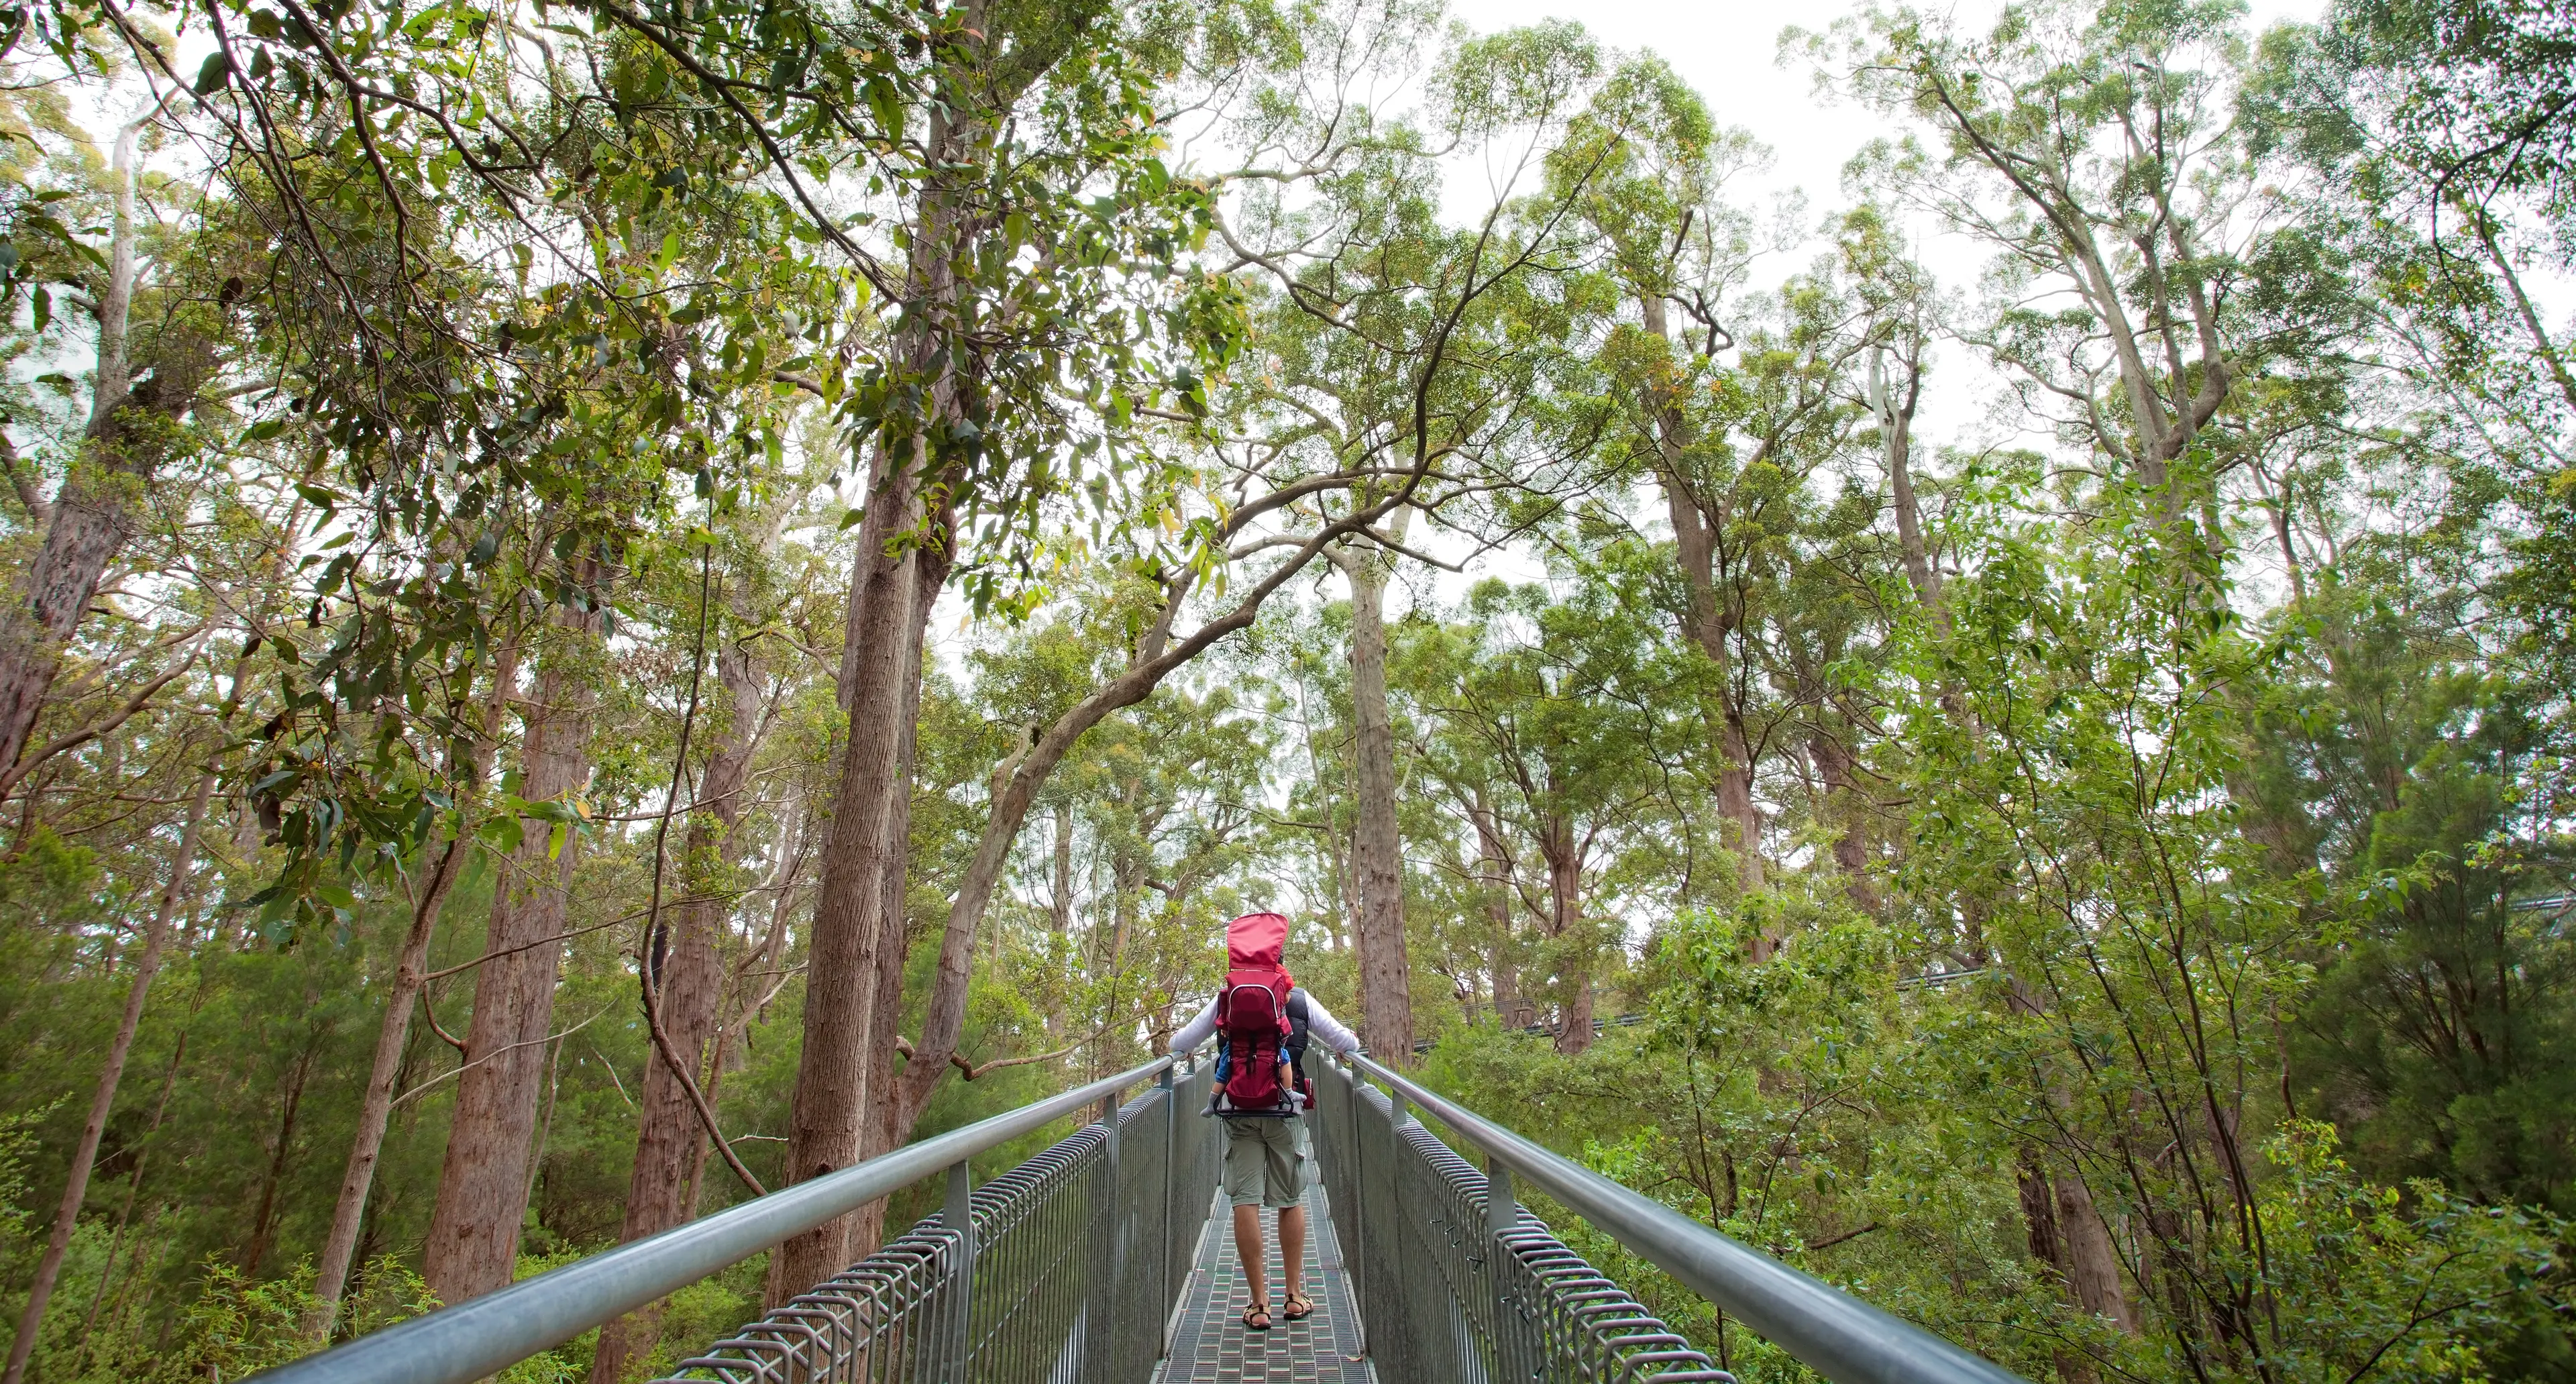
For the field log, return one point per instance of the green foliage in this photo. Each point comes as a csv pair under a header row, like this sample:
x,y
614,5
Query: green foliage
x,y
2100,893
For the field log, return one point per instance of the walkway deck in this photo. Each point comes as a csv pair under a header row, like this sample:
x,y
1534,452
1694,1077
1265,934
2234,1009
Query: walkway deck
x,y
1210,1346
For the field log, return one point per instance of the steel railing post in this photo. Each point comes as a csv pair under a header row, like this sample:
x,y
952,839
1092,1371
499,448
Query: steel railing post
x,y
1355,1251
1171,1214
1502,1215
1100,1316
959,1214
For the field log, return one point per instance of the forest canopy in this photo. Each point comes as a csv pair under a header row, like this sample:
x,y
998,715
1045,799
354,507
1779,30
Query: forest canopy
x,y
616,604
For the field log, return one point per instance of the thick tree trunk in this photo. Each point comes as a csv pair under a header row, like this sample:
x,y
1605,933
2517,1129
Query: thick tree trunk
x,y
1849,813
891,1124
1386,990
687,976
129,434
1565,915
1060,907
1707,628
1705,623
2039,1214
1511,1009
49,1266
2047,1246
483,1184
2092,1263
393,1034
828,1120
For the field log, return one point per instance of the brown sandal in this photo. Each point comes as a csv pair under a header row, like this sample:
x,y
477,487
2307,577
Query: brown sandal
x,y
1298,1307
1258,1309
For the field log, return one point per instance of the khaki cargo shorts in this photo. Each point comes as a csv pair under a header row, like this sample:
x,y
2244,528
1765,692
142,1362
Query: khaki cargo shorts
x,y
1265,1161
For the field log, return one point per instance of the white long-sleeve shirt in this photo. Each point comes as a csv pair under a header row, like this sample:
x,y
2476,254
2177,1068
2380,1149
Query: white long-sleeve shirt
x,y
1321,1026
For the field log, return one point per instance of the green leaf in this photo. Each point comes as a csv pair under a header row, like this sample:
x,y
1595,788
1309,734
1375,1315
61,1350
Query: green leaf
x,y
214,73
504,833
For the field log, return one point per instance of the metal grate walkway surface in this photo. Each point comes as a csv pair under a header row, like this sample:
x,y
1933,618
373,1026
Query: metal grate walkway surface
x,y
1209,1342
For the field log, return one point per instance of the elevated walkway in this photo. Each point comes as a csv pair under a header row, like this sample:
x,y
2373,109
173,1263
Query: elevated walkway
x,y
1210,1344
1106,1259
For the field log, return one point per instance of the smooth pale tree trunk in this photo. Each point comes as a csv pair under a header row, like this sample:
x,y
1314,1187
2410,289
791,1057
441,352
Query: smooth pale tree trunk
x,y
1386,992
1564,856
1707,624
130,432
393,1033
483,1183
1895,414
49,1265
827,1123
688,980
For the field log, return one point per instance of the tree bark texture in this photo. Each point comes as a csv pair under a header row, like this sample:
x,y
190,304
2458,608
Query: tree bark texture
x,y
827,1126
687,975
2039,1223
483,1183
1386,993
893,1117
49,1266
2092,1263
1060,907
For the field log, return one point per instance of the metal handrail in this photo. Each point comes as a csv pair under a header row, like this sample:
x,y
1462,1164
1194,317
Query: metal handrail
x,y
475,1338
1837,1335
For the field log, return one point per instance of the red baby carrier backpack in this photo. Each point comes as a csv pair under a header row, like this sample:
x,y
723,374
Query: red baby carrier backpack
x,y
1252,1021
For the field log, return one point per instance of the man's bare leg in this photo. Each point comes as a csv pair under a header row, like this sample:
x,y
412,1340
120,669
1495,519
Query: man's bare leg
x,y
1247,1247
1292,1247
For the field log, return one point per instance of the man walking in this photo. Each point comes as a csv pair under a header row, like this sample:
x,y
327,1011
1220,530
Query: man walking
x,y
1263,1021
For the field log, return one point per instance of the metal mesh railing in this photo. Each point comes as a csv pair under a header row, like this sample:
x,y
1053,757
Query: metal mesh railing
x,y
1067,1276
1446,1292
1067,1268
